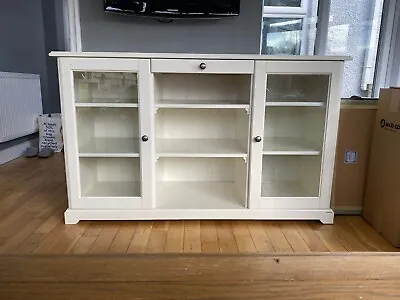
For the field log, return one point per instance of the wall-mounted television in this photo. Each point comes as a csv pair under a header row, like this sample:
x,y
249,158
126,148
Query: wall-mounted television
x,y
175,8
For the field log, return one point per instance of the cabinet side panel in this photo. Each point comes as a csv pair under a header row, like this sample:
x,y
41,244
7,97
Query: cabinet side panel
x,y
332,124
69,130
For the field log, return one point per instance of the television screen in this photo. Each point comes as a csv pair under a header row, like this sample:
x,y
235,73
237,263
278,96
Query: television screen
x,y
175,8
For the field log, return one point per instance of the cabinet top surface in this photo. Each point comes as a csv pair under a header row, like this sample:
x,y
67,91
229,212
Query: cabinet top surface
x,y
198,56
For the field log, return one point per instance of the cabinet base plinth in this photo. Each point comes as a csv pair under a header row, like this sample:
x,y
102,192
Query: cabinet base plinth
x,y
73,216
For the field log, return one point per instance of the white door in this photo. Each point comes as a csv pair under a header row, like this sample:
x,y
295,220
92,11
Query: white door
x,y
295,118
105,105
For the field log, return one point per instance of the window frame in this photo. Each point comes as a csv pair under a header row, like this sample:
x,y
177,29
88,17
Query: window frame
x,y
287,10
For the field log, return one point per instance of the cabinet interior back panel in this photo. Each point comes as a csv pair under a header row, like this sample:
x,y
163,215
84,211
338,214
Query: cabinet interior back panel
x,y
211,176
197,169
304,123
303,88
202,123
203,88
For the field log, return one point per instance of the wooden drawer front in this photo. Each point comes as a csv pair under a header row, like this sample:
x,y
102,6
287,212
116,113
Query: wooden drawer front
x,y
202,66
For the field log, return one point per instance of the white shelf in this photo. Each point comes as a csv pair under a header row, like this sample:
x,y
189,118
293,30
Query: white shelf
x,y
284,189
113,189
197,195
110,147
295,103
199,148
288,146
188,103
106,104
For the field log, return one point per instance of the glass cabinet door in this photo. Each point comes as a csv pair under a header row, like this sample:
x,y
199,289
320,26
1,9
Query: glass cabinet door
x,y
290,135
109,132
294,126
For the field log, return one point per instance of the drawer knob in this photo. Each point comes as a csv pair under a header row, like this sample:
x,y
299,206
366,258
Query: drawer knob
x,y
145,138
257,139
203,66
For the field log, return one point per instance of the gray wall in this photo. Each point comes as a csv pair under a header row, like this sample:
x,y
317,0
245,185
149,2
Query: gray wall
x,y
107,32
28,32
22,47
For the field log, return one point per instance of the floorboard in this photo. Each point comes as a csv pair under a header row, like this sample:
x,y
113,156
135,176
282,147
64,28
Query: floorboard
x,y
164,276
33,197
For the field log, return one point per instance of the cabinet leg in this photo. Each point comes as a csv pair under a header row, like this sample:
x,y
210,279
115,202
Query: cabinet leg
x,y
327,218
70,217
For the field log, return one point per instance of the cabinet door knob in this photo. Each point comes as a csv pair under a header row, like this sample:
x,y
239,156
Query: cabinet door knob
x,y
203,66
145,138
257,139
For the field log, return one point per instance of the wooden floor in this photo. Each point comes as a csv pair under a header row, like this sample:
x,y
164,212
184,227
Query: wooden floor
x,y
366,276
33,199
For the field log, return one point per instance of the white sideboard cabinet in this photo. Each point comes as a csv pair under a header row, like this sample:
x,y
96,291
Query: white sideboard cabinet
x,y
169,136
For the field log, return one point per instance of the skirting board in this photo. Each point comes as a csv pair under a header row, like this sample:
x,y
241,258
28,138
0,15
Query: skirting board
x,y
347,210
15,151
73,216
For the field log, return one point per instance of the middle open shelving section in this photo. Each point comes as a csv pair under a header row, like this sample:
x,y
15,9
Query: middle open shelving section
x,y
202,140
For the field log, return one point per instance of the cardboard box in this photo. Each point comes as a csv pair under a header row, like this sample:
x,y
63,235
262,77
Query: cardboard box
x,y
352,156
382,195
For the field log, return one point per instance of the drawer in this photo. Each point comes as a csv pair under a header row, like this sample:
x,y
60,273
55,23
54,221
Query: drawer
x,y
202,66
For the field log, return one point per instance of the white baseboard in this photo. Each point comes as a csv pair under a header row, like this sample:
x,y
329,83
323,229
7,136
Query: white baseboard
x,y
15,151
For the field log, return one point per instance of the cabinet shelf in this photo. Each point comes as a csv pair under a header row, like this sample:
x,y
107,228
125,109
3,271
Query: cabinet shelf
x,y
283,188
107,104
295,103
110,147
199,148
289,146
197,195
188,103
113,189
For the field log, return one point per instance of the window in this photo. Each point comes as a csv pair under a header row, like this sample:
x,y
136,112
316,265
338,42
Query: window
x,y
282,36
289,27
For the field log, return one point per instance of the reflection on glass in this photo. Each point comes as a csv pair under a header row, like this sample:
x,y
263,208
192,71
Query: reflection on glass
x,y
106,87
302,88
281,36
290,3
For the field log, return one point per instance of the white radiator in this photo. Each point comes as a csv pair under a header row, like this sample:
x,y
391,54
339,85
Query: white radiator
x,y
20,104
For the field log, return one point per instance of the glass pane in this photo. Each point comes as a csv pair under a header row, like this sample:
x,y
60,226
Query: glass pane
x,y
110,177
292,149
291,176
107,131
298,88
290,3
282,36
108,144
294,129
105,87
